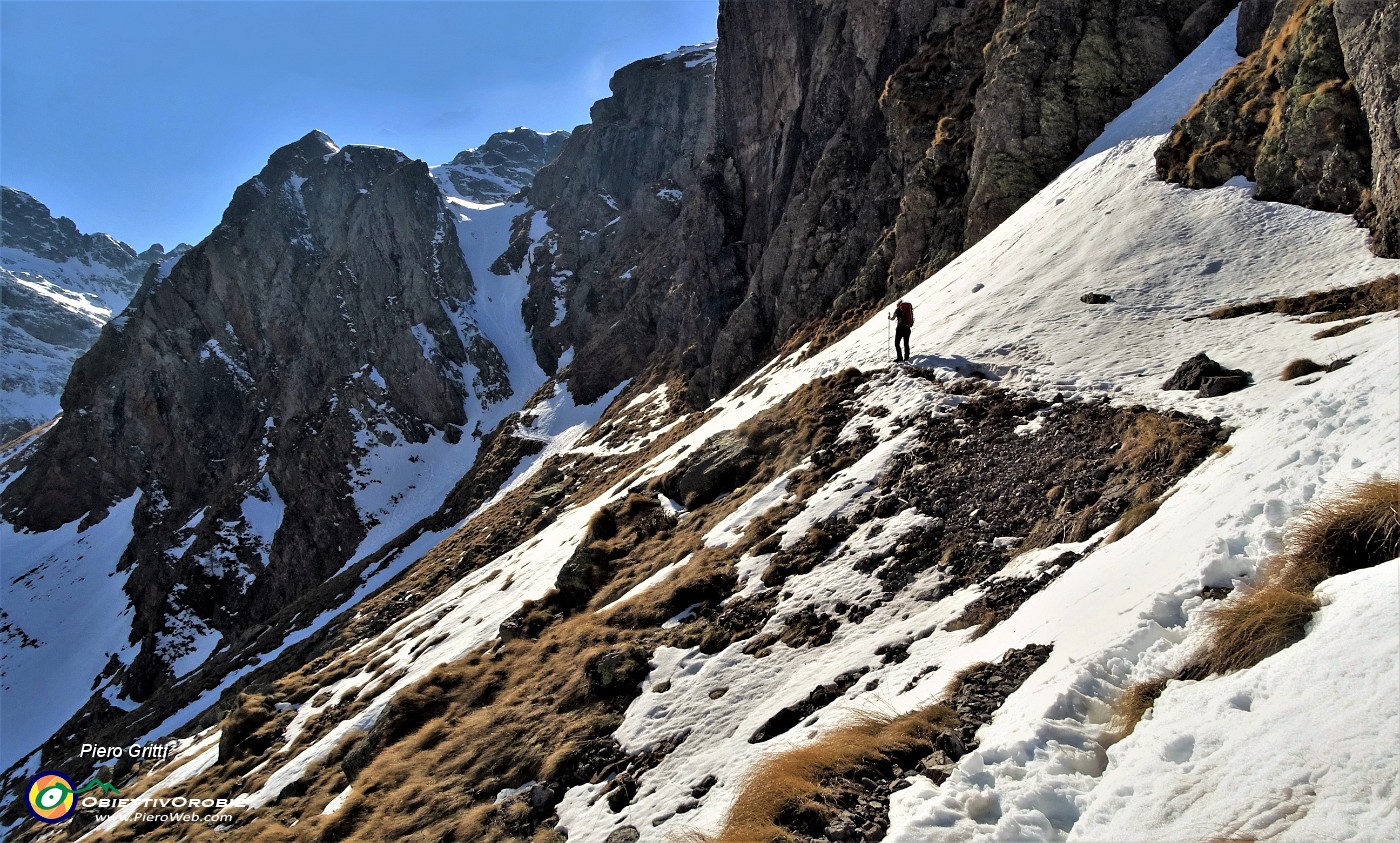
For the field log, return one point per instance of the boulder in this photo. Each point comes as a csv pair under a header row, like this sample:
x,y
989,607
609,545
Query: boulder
x,y
713,470
1223,384
1209,377
616,672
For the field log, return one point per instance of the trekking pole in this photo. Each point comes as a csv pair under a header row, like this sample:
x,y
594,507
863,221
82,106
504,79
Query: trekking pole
x,y
889,340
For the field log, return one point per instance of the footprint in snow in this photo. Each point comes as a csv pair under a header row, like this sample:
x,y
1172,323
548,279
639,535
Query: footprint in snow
x,y
1180,749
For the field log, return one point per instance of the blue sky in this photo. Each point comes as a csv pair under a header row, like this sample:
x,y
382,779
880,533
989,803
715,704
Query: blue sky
x,y
140,118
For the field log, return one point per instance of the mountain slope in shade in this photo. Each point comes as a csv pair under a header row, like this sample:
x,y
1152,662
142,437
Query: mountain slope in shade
x,y
58,287
206,398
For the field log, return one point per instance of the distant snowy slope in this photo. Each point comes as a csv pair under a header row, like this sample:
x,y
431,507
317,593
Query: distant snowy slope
x,y
57,288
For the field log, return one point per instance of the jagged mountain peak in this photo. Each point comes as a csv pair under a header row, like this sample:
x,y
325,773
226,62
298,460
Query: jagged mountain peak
x,y
314,142
30,226
310,147
517,145
503,166
312,180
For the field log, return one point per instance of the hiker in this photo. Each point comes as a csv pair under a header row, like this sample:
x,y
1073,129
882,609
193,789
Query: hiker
x,y
903,316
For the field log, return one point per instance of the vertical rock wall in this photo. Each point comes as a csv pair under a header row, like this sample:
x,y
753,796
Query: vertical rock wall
x,y
856,148
1310,115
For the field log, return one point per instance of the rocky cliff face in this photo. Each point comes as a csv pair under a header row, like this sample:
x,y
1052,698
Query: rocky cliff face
x,y
1369,34
325,315
607,216
926,124
58,287
503,166
1310,116
853,152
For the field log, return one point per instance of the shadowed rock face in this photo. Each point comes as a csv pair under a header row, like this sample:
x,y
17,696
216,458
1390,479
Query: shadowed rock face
x,y
613,198
242,390
1310,116
1369,34
854,149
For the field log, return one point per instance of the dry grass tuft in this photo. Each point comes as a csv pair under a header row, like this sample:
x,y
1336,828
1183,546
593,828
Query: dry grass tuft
x,y
1135,517
1376,296
1129,708
788,784
245,729
1356,529
1300,368
1267,618
1338,330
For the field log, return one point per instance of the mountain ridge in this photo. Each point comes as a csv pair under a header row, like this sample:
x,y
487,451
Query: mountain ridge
x,y
59,287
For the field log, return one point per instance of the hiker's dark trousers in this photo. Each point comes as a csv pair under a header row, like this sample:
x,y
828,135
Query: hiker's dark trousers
x,y
901,342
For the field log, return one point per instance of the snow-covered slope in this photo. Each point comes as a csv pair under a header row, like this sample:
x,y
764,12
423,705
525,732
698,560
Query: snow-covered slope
x,y
57,289
1218,756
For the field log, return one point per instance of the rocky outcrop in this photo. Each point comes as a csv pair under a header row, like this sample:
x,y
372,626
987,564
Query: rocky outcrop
x,y
58,287
1288,118
854,151
1369,34
1208,377
503,166
611,203
326,313
1309,116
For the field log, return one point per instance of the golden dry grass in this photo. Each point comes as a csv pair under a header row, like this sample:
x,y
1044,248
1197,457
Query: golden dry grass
x,y
791,781
1338,330
1355,528
1132,704
1268,616
1300,368
1371,297
1135,517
